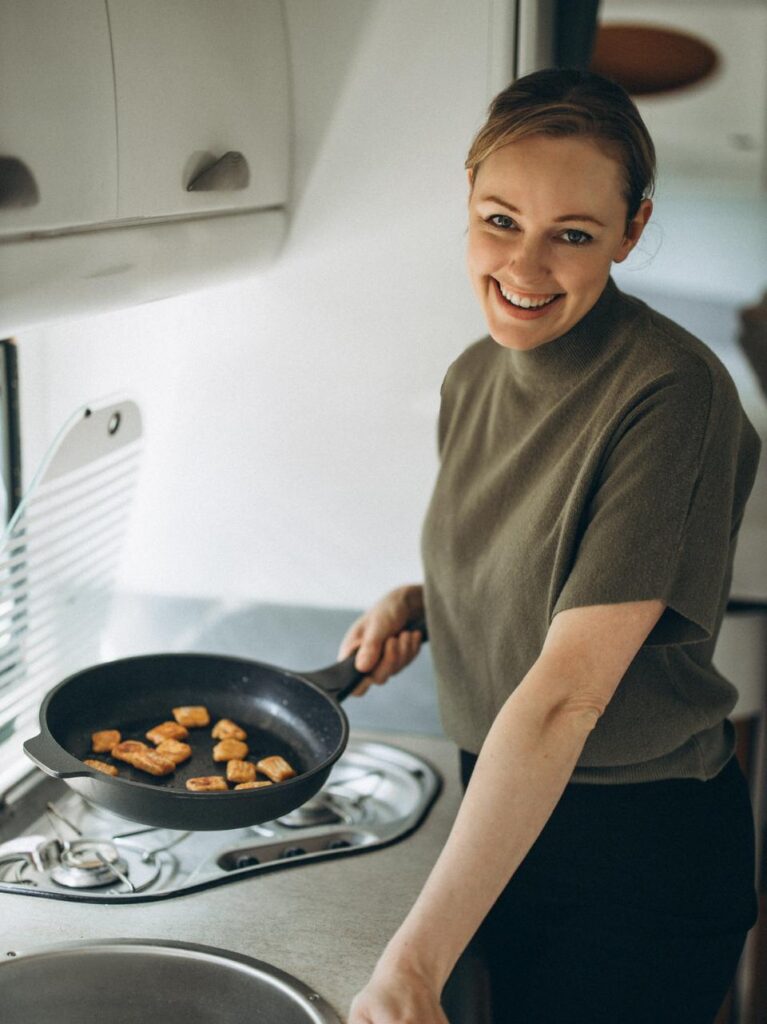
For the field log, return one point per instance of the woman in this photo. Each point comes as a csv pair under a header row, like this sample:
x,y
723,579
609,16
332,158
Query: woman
x,y
594,466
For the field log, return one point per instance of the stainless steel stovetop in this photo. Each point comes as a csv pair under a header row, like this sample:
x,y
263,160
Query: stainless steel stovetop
x,y
56,845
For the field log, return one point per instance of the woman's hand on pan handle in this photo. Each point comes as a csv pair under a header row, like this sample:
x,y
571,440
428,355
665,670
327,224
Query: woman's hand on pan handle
x,y
385,646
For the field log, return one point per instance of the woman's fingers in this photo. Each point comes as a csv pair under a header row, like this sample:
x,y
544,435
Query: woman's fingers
x,y
408,644
398,652
414,641
367,639
352,638
369,654
383,648
387,664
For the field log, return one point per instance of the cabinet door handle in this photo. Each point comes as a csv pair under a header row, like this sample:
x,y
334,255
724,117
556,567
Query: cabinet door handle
x,y
17,184
228,174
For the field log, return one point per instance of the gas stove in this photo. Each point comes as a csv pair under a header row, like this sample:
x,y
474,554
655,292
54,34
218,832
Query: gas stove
x,y
56,845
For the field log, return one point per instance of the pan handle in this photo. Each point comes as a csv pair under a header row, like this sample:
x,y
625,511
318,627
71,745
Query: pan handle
x,y
339,680
53,759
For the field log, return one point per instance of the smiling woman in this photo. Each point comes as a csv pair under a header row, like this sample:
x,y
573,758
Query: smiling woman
x,y
595,462
529,258
559,191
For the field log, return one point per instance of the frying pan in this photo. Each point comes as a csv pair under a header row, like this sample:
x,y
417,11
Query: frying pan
x,y
294,714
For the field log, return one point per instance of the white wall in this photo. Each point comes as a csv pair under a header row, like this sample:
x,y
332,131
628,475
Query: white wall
x,y
290,418
707,244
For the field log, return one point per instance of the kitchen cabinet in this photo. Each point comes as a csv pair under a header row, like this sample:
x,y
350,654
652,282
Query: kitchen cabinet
x,y
58,155
144,150
195,81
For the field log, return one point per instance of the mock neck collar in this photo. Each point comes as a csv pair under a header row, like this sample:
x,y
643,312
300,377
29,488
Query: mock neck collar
x,y
559,361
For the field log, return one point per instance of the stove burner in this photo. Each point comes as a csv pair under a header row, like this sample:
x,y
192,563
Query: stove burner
x,y
88,864
375,795
346,800
318,810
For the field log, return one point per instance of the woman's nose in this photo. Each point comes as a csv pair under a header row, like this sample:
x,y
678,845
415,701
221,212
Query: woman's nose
x,y
528,259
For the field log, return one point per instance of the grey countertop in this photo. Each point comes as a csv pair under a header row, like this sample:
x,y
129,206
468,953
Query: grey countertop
x,y
325,923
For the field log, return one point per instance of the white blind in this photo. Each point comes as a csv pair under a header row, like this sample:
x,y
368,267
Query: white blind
x,y
58,561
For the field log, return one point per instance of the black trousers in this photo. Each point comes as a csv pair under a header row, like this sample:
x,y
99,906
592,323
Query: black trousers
x,y
632,906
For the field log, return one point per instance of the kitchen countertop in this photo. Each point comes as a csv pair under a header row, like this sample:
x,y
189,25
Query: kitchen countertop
x,y
325,923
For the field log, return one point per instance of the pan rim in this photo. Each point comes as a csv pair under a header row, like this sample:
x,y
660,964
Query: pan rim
x,y
184,794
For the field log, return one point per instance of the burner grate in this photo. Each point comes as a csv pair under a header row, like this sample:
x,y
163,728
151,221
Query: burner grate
x,y
375,795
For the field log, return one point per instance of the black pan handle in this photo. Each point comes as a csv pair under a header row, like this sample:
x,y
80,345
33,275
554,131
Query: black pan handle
x,y
53,759
339,680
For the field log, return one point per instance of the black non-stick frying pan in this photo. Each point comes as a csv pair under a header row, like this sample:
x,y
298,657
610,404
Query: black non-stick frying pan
x,y
294,714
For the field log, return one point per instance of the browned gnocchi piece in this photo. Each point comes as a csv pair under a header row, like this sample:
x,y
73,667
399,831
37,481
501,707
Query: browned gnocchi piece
x,y
167,731
128,749
207,784
227,750
276,768
193,716
240,771
153,763
252,785
226,729
175,750
100,766
103,740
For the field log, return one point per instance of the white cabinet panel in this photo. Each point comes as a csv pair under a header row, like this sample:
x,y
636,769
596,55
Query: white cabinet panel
x,y
57,115
195,80
83,272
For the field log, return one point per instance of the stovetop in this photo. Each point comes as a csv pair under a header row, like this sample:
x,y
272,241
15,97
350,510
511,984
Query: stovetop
x,y
375,795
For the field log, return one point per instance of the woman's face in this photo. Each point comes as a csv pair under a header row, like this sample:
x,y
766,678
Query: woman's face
x,y
547,219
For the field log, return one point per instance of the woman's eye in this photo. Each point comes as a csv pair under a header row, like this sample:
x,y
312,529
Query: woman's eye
x,y
500,220
576,237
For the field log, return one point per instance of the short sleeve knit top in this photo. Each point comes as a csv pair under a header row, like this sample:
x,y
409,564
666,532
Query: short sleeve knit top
x,y
611,464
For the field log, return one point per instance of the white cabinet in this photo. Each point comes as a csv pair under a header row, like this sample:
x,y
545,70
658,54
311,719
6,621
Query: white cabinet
x,y
197,80
58,154
109,111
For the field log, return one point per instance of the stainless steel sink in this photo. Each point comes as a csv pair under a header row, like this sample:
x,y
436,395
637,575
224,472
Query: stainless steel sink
x,y
125,981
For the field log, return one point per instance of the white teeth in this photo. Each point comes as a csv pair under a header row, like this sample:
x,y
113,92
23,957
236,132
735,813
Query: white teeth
x,y
522,301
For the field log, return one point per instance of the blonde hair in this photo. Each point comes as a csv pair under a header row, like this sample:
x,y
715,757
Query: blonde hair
x,y
562,102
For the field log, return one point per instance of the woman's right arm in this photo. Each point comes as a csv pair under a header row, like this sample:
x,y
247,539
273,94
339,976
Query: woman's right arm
x,y
385,647
523,767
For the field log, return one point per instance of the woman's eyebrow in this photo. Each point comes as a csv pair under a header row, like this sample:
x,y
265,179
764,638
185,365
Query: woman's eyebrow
x,y
557,220
579,216
500,202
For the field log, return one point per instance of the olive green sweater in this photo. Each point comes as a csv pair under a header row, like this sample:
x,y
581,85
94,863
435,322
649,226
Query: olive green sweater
x,y
610,464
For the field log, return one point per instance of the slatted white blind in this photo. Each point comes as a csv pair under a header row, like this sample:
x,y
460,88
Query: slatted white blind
x,y
58,561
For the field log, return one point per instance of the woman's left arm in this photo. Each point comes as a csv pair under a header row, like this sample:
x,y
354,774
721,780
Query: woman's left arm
x,y
522,770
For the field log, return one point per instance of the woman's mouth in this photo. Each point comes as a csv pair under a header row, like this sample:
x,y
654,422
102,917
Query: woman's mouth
x,y
525,307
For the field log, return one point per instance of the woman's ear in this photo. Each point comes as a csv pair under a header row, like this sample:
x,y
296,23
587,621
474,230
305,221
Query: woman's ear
x,y
634,230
